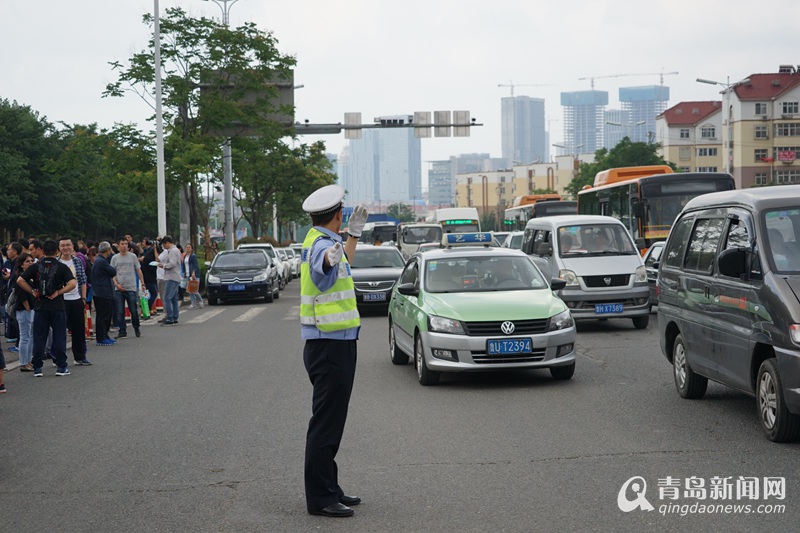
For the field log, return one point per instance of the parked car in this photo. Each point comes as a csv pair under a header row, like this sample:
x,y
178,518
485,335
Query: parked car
x,y
294,261
598,259
241,274
728,310
276,261
286,264
651,259
375,270
475,307
514,240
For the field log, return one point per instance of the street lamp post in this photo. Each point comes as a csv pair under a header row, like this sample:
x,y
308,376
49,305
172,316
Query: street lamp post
x,y
727,147
628,126
161,188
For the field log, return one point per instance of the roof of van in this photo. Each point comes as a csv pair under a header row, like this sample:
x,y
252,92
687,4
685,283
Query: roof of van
x,y
571,220
759,197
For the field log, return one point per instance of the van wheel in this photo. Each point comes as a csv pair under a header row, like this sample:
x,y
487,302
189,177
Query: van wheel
x,y
395,353
426,376
640,322
777,422
690,385
562,372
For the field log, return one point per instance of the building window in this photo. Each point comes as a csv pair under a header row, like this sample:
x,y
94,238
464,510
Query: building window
x,y
783,177
502,179
761,108
708,132
760,153
706,152
789,108
760,132
787,129
684,169
685,152
761,178
502,190
684,133
502,201
706,169
776,149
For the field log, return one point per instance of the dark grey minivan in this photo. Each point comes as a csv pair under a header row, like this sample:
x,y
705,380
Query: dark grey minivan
x,y
729,283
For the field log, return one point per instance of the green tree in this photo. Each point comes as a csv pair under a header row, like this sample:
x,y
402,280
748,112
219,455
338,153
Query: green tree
x,y
624,154
213,77
489,221
401,212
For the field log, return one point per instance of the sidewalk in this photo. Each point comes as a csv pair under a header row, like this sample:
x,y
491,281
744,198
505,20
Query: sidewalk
x,y
12,358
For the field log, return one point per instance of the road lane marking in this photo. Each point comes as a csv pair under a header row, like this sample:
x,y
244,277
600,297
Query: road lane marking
x,y
293,314
205,316
250,314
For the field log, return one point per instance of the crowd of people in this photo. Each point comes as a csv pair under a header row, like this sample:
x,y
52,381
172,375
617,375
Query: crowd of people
x,y
49,288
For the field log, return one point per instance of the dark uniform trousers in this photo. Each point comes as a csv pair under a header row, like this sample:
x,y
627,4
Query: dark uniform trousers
x,y
331,367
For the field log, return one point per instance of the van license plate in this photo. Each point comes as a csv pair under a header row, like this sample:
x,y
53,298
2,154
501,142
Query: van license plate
x,y
375,297
236,287
602,309
506,346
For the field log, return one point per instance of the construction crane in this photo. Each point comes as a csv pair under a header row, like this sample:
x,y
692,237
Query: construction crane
x,y
660,74
511,85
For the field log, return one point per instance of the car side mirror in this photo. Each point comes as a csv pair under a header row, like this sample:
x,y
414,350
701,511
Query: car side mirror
x,y
733,262
544,249
408,289
208,263
557,284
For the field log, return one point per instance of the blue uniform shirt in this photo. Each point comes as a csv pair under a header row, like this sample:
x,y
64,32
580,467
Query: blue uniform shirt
x,y
324,281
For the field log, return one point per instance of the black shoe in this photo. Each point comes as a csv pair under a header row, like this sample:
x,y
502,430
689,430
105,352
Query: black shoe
x,y
336,510
138,333
121,335
350,500
162,320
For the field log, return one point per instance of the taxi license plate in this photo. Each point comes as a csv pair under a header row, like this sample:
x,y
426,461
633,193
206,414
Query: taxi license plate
x,y
601,309
375,297
508,346
236,287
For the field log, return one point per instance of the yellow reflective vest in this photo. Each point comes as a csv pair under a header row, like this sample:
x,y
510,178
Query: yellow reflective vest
x,y
334,309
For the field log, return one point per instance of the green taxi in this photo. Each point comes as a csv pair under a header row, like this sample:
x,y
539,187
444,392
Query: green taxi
x,y
472,307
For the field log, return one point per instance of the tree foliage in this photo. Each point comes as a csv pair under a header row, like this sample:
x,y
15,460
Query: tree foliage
x,y
624,154
401,212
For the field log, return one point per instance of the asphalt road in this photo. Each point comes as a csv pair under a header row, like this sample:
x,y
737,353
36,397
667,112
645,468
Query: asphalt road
x,y
201,428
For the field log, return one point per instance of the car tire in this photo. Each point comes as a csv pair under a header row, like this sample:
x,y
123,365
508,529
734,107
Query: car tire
x,y
212,300
641,322
563,372
424,374
397,356
777,422
276,294
269,297
689,385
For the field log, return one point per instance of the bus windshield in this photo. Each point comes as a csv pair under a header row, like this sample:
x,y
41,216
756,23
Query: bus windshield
x,y
412,235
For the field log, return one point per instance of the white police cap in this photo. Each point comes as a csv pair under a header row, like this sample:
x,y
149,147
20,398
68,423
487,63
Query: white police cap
x,y
324,200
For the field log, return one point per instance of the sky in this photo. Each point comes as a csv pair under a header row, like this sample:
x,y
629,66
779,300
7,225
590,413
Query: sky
x,y
381,57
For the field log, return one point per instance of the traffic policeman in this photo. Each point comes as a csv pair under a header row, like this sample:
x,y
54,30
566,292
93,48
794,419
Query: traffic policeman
x,y
329,325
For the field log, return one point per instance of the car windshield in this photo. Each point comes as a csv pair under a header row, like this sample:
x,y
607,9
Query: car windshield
x,y
783,229
420,235
289,252
516,241
482,274
270,251
376,257
254,259
654,255
594,239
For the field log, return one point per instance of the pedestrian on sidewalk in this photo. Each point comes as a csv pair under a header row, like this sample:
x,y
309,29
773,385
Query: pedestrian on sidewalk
x,y
103,289
191,269
48,280
24,314
127,266
172,278
148,262
75,301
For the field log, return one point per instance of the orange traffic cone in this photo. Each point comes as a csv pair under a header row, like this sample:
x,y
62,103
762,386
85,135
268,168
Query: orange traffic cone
x,y
127,315
159,305
87,320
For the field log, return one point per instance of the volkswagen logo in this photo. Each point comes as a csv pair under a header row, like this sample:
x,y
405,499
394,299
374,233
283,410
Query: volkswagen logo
x,y
607,280
507,327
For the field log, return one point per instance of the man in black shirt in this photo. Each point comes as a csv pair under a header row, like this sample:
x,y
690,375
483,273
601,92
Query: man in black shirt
x,y
50,309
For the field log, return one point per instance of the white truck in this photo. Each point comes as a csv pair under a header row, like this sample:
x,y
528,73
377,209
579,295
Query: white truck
x,y
410,236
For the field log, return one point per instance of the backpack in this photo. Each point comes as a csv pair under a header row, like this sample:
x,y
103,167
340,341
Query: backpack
x,y
47,277
11,303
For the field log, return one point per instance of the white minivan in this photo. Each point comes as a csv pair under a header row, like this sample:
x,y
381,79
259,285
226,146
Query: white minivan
x,y
596,256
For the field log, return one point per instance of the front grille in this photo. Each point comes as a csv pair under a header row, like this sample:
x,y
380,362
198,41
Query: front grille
x,y
247,279
374,285
482,358
521,327
617,280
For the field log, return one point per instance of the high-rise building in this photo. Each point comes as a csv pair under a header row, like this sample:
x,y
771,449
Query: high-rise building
x,y
440,186
616,129
442,175
523,134
642,105
384,167
583,121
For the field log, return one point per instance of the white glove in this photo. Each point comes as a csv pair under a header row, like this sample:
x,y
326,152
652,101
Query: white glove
x,y
335,254
357,220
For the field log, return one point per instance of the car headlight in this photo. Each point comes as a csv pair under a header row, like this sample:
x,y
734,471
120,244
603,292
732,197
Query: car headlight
x,y
260,277
568,276
439,324
641,275
561,321
213,279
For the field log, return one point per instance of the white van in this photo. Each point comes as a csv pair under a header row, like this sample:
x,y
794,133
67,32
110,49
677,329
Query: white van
x,y
598,259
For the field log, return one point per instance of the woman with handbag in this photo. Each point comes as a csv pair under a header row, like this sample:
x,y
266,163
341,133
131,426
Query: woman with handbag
x,y
191,269
24,315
